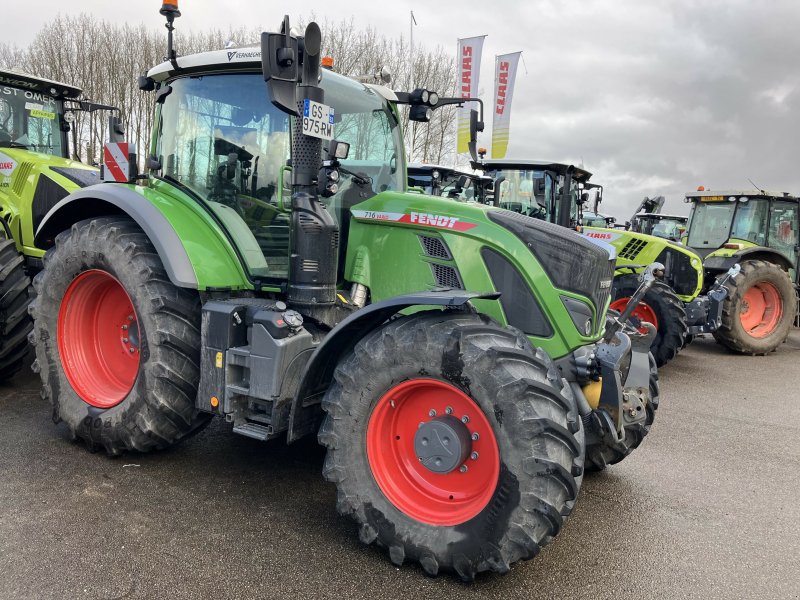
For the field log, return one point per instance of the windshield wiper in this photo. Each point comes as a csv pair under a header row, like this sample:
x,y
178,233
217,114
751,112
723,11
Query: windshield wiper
x,y
359,179
13,145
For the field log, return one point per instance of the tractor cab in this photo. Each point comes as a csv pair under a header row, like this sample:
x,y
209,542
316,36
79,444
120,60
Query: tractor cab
x,y
669,227
448,182
739,223
32,113
549,191
222,142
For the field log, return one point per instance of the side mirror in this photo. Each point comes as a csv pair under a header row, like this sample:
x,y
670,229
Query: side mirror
x,y
475,125
279,63
116,129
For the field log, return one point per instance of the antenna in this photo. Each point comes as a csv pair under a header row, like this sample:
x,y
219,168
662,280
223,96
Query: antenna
x,y
758,189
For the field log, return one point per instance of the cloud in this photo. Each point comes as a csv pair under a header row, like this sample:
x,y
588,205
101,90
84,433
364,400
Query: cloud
x,y
653,97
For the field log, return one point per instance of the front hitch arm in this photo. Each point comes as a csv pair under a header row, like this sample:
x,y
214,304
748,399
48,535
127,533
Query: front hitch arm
x,y
617,323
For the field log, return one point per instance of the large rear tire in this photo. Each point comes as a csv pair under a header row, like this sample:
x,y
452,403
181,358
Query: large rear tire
x,y
117,344
599,456
662,308
515,492
15,322
759,310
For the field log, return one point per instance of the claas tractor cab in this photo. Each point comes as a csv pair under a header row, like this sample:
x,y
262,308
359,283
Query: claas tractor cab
x,y
35,174
438,180
271,268
560,194
758,231
669,227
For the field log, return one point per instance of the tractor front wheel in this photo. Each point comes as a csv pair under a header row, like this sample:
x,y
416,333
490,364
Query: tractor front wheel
x,y
117,344
453,443
660,307
759,310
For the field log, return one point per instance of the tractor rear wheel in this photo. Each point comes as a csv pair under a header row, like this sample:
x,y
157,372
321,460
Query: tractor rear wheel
x,y
117,344
599,456
453,443
759,310
661,307
15,322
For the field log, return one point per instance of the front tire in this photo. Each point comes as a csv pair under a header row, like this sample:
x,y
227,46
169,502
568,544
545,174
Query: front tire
x,y
759,310
661,307
117,344
516,491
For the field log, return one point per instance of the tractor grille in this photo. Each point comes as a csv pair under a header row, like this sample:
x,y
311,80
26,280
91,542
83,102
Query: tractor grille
x,y
632,249
22,178
679,274
572,262
446,276
435,248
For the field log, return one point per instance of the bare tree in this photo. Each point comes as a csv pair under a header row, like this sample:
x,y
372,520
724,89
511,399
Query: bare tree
x,y
105,59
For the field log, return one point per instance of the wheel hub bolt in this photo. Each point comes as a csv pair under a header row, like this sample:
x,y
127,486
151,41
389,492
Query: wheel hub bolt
x,y
431,413
124,340
475,437
465,419
131,350
463,468
130,317
449,410
474,456
124,327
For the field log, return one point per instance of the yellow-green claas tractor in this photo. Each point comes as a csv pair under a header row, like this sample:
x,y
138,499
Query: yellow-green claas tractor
x,y
757,230
35,174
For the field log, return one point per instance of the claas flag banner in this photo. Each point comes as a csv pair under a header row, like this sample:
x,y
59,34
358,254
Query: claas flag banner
x,y
505,73
469,70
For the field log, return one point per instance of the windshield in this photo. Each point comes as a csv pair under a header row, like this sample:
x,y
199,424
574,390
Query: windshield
x,y
670,229
711,223
222,138
523,191
449,184
30,120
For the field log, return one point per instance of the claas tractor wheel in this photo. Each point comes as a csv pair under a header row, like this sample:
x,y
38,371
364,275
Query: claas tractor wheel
x,y
453,443
117,344
661,307
15,322
759,309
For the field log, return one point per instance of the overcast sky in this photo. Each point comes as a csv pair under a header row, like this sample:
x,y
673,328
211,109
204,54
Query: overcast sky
x,y
654,97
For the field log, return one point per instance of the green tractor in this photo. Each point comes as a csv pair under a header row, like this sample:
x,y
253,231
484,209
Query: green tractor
x,y
557,193
35,174
270,267
758,231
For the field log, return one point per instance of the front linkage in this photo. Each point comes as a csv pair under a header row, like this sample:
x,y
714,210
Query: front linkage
x,y
704,313
622,367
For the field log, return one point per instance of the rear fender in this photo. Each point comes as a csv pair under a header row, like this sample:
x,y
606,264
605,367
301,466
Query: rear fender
x,y
195,251
718,263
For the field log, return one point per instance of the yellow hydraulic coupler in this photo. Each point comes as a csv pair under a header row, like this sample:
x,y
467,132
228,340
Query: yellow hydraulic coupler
x,y
592,393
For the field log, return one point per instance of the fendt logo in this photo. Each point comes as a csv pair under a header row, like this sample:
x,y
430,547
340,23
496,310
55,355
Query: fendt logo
x,y
426,219
433,220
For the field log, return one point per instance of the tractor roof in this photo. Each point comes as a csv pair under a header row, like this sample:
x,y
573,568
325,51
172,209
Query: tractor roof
x,y
236,59
660,216
431,167
740,193
27,81
535,165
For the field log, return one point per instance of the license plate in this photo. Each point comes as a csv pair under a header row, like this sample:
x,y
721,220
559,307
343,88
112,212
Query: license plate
x,y
317,120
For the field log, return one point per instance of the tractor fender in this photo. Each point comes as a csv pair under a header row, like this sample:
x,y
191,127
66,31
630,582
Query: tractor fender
x,y
720,264
104,199
195,252
318,373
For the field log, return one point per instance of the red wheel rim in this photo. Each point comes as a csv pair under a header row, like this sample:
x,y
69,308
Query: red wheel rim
x,y
761,309
643,313
98,339
432,498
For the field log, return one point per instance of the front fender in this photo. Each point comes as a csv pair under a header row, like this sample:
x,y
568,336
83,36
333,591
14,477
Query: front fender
x,y
195,251
318,373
